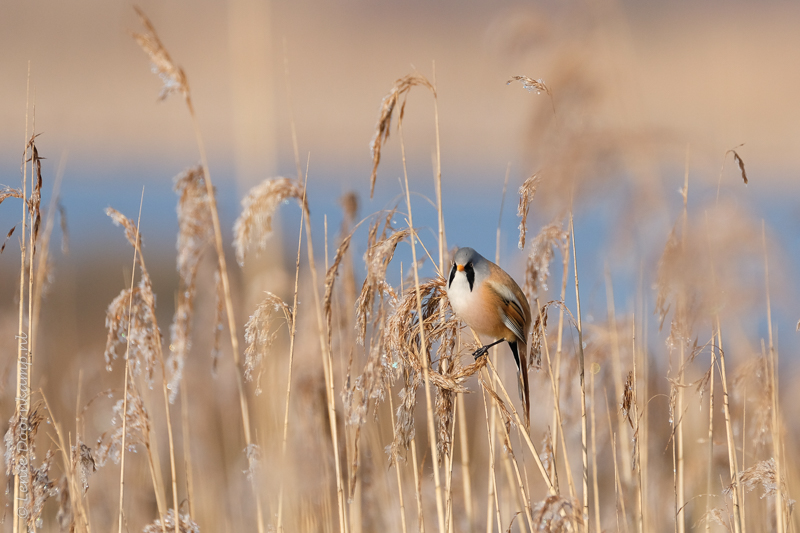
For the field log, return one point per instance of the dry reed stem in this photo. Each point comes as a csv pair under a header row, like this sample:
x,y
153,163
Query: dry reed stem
x,y
619,500
187,450
424,349
143,325
175,81
595,368
22,348
638,462
520,486
327,365
527,437
583,384
293,330
492,498
172,76
559,421
617,371
732,459
397,472
773,382
80,456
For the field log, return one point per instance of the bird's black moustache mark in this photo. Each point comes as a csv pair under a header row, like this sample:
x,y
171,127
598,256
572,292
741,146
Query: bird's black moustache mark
x,y
452,275
470,271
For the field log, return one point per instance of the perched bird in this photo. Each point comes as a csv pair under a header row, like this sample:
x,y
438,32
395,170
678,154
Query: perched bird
x,y
492,304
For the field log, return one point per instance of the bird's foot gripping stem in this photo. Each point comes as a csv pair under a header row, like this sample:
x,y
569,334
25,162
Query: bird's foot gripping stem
x,y
483,349
480,351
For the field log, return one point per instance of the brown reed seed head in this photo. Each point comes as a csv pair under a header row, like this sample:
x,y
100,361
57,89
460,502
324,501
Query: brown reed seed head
x,y
258,207
556,514
552,237
531,84
172,77
8,192
763,473
43,488
195,233
15,455
83,464
526,193
185,524
137,427
259,333
404,348
377,259
400,88
195,229
131,324
330,279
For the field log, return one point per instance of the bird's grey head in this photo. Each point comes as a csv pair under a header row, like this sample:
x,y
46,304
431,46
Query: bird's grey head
x,y
473,264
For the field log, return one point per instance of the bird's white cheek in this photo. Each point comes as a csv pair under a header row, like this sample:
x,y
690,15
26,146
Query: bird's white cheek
x,y
459,294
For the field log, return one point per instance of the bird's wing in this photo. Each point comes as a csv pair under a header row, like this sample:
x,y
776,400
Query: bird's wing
x,y
514,306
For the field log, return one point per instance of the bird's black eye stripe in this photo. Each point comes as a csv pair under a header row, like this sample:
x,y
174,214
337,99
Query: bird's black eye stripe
x,y
452,275
470,271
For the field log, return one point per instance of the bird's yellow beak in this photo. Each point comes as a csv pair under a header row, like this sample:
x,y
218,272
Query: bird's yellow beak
x,y
460,268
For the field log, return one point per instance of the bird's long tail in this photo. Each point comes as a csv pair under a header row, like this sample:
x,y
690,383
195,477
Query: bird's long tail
x,y
521,356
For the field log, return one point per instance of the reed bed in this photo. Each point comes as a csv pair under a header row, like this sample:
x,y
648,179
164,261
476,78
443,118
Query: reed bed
x,y
348,401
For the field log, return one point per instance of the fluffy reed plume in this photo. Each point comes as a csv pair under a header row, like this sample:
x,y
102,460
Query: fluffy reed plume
x,y
764,474
172,77
753,375
139,318
531,84
219,317
556,514
131,233
403,343
259,334
137,429
738,160
258,206
377,258
716,515
62,218
185,524
526,193
330,279
83,464
723,244
17,455
552,237
43,488
64,516
8,192
253,454
195,233
35,198
8,236
400,89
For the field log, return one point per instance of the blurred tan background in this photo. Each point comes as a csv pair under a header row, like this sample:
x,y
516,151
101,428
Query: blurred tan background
x,y
716,75
639,89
